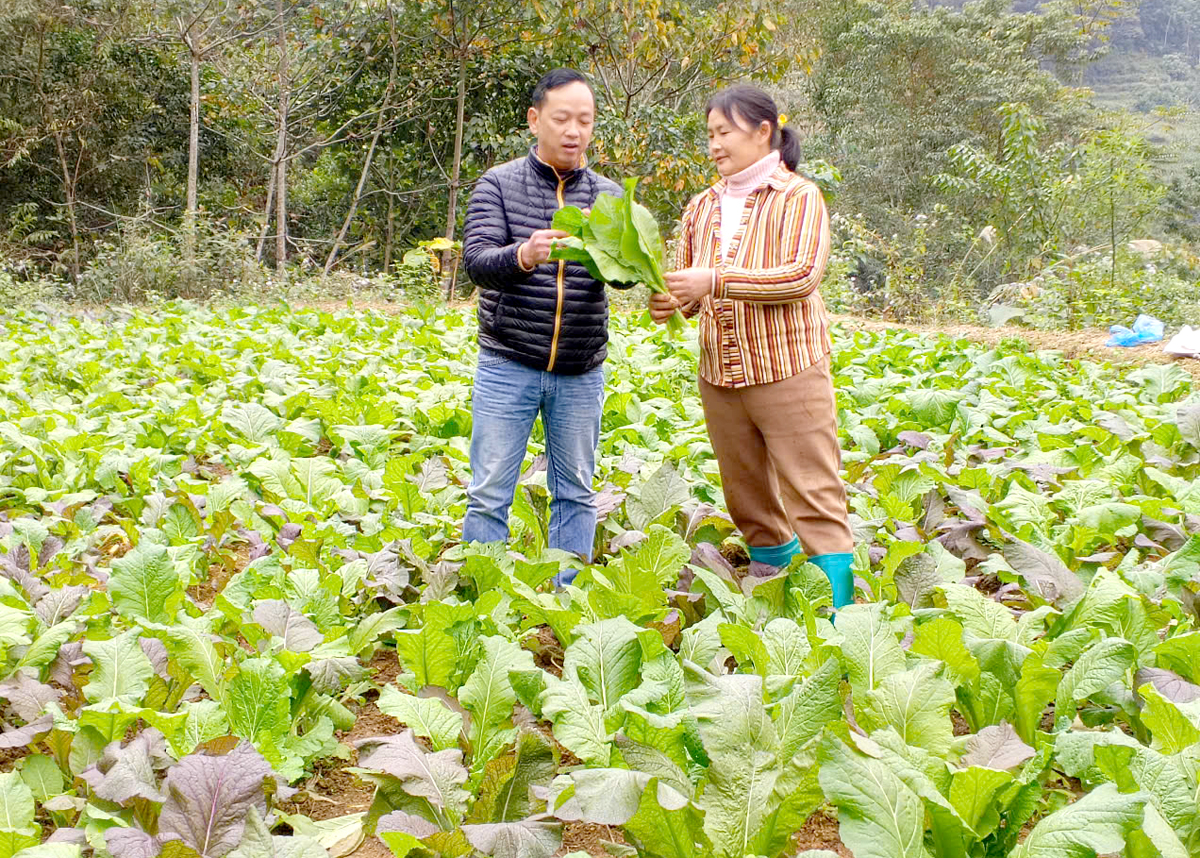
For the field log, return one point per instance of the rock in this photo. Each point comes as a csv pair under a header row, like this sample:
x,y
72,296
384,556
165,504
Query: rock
x,y
1146,246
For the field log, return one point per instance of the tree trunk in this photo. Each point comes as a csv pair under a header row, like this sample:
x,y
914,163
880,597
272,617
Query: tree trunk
x,y
281,223
366,170
358,189
68,180
266,227
456,164
1112,224
391,218
193,175
391,233
69,194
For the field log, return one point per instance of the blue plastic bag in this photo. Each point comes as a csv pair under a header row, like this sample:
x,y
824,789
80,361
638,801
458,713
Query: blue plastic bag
x,y
1121,336
1146,329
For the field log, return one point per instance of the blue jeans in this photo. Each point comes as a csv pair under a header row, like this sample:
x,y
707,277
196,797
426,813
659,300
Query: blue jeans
x,y
507,398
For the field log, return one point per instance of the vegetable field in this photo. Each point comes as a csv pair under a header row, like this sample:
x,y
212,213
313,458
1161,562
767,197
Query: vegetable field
x,y
215,525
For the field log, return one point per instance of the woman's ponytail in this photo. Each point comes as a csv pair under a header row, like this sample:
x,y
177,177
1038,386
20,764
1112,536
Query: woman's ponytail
x,y
789,147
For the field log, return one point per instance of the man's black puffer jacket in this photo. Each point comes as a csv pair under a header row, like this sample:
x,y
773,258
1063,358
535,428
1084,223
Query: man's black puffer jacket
x,y
552,318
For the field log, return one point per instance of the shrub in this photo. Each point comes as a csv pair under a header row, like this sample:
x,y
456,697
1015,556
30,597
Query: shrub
x,y
1081,292
21,285
140,265
898,277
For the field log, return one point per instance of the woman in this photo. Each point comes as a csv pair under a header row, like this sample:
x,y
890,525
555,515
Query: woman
x,y
751,254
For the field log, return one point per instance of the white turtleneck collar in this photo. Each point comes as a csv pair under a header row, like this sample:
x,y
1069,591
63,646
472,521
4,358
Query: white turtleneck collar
x,y
737,188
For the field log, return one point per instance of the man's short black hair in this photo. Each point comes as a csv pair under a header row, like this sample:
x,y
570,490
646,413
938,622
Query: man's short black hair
x,y
554,80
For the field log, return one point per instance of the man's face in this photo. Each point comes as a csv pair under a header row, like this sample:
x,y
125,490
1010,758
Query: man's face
x,y
563,125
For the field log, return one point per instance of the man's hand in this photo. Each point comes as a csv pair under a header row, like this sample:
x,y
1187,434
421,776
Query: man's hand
x,y
690,284
662,307
536,249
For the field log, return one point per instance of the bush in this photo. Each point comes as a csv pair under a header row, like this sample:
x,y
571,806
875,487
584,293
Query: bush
x,y
417,279
21,285
418,275
897,277
1080,293
144,266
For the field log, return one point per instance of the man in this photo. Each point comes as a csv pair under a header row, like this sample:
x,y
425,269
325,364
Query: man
x,y
543,325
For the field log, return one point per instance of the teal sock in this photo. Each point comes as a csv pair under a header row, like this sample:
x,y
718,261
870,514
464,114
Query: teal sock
x,y
776,555
837,569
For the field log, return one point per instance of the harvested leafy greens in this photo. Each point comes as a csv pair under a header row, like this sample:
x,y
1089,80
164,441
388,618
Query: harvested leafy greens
x,y
618,242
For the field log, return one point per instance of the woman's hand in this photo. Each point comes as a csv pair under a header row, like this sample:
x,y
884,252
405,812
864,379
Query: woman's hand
x,y
662,307
690,285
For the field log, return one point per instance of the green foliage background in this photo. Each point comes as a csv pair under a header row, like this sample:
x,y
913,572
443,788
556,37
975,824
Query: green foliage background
x,y
972,151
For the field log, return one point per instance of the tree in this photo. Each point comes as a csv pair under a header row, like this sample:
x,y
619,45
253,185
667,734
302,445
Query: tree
x,y
1172,26
380,124
1047,198
1118,191
1182,205
282,93
204,27
471,31
899,87
76,105
655,62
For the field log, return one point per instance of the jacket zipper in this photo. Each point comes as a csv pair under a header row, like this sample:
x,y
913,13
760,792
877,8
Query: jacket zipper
x,y
558,310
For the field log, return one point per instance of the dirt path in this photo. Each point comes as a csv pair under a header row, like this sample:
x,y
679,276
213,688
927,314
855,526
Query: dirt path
x,y
1087,344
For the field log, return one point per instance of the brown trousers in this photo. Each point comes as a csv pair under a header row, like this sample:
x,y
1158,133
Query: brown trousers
x,y
781,439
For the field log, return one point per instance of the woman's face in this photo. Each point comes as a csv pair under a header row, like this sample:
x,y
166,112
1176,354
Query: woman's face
x,y
734,146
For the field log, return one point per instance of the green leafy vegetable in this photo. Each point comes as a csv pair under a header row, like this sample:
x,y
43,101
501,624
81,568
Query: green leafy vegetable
x,y
618,242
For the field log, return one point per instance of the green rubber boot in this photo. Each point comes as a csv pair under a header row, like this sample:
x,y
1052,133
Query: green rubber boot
x,y
775,555
837,569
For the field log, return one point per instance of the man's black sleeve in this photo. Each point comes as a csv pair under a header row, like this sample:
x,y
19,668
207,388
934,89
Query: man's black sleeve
x,y
489,253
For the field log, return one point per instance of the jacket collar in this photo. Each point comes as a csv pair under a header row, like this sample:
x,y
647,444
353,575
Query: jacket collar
x,y
552,174
778,180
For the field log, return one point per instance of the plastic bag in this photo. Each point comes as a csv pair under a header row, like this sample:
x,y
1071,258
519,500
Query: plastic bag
x,y
1146,329
1185,344
1121,336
